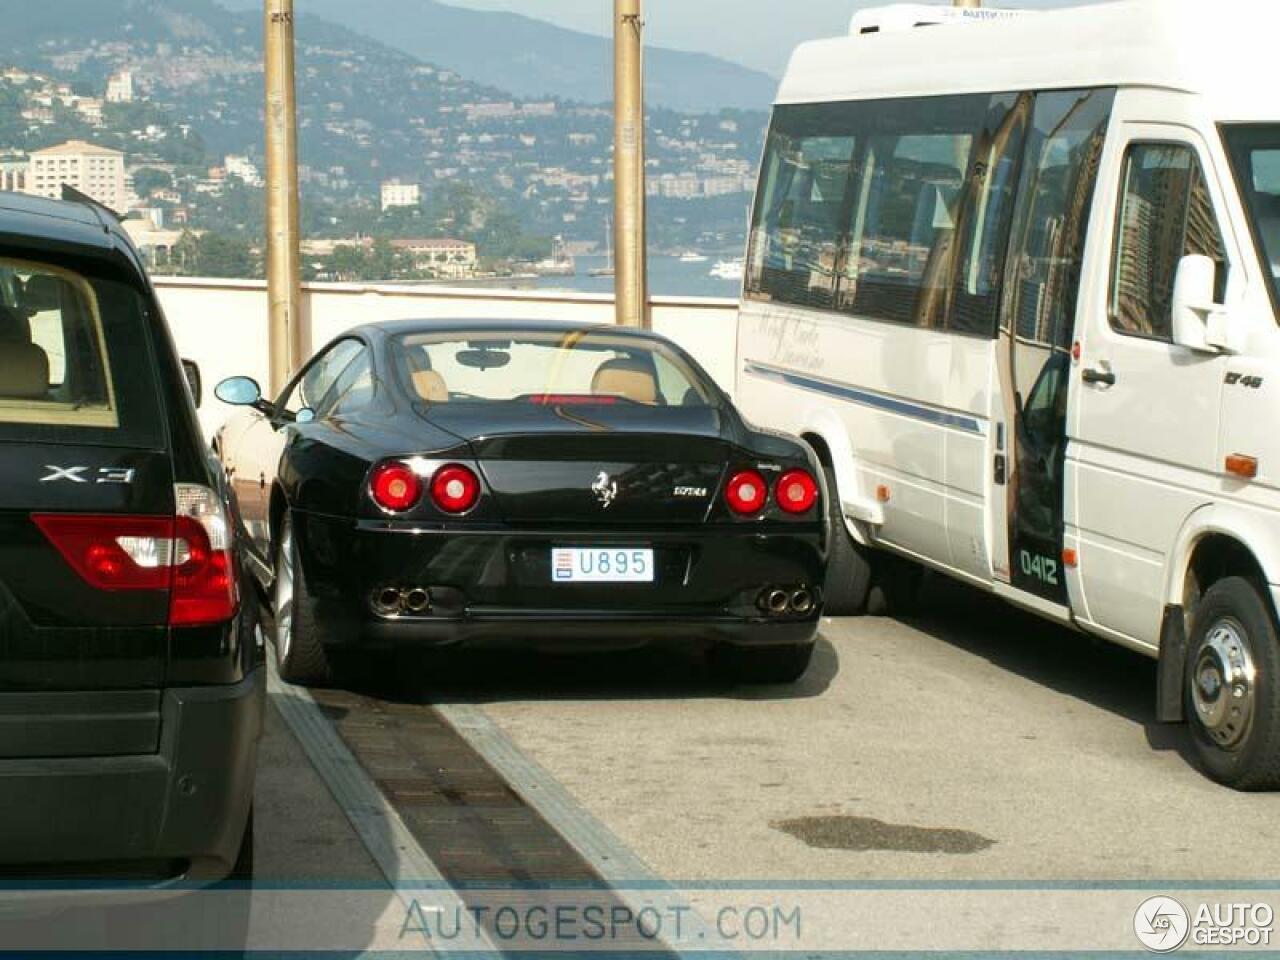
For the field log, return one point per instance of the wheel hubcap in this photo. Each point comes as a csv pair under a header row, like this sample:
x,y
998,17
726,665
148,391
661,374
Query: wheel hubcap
x,y
1223,684
283,605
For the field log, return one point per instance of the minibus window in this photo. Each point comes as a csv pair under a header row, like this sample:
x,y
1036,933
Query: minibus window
x,y
1255,154
864,208
1055,195
798,232
1165,214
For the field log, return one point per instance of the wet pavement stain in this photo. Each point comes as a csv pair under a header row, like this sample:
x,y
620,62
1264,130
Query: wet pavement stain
x,y
864,834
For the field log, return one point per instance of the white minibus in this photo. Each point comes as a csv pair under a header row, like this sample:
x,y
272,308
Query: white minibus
x,y
1017,281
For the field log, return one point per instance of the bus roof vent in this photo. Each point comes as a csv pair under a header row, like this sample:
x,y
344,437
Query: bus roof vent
x,y
907,16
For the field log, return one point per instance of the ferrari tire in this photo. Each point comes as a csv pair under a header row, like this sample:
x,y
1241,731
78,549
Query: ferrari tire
x,y
848,569
766,665
1232,686
301,657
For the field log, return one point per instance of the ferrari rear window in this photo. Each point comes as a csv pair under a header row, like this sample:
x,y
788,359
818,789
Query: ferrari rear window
x,y
581,367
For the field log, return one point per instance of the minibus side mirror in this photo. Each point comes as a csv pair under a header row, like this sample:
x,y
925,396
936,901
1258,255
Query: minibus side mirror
x,y
1197,319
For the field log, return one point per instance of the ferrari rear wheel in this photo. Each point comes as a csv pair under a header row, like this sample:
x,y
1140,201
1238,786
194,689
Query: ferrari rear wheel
x,y
300,656
766,665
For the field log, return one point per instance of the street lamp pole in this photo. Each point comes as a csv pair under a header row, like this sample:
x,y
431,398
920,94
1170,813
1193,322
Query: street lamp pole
x,y
631,281
284,257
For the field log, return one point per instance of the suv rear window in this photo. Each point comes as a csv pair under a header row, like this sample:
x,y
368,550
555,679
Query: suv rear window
x,y
75,363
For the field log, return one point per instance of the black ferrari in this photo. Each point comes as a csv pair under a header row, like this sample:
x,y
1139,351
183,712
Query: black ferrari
x,y
434,483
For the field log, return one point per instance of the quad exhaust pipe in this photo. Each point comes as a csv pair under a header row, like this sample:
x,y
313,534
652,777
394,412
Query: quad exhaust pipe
x,y
779,602
394,602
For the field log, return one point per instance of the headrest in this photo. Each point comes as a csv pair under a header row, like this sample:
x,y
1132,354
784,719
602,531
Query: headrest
x,y
417,359
13,328
431,386
626,378
42,293
24,371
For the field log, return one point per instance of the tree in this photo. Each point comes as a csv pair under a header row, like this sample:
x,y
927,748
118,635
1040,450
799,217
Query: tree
x,y
215,255
149,179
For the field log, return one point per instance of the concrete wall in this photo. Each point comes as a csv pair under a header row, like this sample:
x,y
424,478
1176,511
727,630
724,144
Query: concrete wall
x,y
221,324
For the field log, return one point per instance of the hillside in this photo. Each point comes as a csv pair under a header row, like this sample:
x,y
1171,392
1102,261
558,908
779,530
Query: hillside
x,y
532,58
367,113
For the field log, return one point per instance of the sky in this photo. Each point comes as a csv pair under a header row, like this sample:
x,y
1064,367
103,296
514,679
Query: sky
x,y
757,33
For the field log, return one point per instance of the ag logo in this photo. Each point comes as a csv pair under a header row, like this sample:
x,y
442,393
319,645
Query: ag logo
x,y
606,490
1162,924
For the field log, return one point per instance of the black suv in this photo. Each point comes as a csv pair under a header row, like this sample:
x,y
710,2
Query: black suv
x,y
131,667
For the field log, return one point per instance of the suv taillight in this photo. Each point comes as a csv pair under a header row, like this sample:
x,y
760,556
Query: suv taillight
x,y
188,555
204,574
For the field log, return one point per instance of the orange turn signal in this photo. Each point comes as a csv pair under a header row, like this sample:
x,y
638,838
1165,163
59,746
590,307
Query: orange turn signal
x,y
883,494
1240,465
1070,558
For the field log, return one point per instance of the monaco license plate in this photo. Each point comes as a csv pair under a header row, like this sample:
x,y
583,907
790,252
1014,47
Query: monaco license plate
x,y
602,565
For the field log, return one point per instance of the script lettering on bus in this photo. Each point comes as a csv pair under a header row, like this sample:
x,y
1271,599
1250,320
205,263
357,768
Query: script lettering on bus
x,y
795,343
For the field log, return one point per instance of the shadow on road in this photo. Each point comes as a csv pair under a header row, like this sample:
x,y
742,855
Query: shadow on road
x,y
1086,668
493,675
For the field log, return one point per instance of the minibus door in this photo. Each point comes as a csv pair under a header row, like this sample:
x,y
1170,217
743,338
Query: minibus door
x,y
1038,441
1047,248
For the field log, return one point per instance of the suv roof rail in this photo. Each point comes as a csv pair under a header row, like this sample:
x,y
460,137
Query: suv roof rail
x,y
72,195
897,17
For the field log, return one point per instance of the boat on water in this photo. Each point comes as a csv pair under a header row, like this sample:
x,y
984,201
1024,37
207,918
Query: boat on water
x,y
729,269
560,264
610,270
692,257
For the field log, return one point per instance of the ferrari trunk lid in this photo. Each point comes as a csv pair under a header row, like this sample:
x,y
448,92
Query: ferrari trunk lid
x,y
617,465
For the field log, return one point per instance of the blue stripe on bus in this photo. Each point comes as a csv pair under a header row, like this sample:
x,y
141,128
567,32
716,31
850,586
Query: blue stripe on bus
x,y
865,397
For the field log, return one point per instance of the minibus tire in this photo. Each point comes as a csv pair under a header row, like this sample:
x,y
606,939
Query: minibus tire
x,y
895,587
1234,616
766,666
848,570
305,662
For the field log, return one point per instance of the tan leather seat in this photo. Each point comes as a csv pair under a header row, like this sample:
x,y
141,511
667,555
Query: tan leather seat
x,y
24,371
625,378
431,386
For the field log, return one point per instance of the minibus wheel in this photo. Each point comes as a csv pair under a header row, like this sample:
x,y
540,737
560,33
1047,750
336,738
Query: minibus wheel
x,y
848,570
1233,686
300,656
895,587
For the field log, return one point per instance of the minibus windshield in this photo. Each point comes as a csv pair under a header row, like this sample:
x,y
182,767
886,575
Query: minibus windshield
x,y
1255,153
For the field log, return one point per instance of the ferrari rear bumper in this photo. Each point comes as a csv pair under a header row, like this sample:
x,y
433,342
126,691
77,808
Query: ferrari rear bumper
x,y
462,586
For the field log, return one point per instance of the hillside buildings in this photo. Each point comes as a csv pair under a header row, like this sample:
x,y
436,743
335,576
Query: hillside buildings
x,y
442,258
397,194
91,169
13,173
120,87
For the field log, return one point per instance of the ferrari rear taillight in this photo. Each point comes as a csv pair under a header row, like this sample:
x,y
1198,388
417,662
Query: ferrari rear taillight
x,y
188,555
395,488
455,489
796,492
746,493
